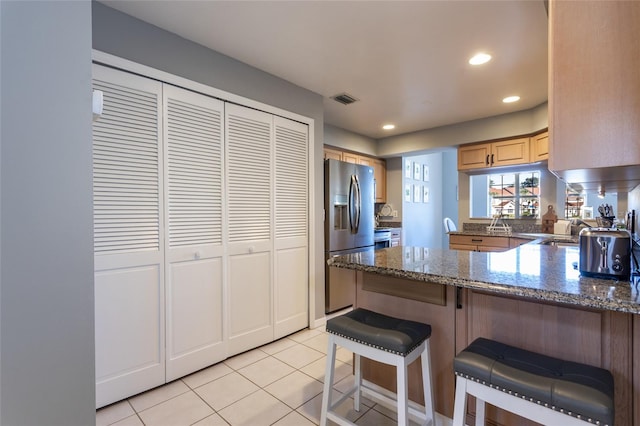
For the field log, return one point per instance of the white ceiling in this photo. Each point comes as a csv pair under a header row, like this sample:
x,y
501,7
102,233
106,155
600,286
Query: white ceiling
x,y
406,61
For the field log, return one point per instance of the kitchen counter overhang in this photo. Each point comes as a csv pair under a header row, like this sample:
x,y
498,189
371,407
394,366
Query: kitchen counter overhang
x,y
533,271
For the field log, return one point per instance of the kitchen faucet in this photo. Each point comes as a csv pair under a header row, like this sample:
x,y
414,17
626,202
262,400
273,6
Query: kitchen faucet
x,y
577,225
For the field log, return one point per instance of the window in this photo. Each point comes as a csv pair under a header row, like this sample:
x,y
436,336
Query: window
x,y
583,204
509,195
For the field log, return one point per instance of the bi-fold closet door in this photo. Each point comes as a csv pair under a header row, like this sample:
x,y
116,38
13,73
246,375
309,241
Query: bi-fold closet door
x,y
194,193
201,244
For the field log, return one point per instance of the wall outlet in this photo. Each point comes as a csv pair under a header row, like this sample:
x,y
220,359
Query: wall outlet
x,y
395,213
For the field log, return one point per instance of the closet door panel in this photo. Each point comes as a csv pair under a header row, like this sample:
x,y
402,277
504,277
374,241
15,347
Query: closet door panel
x,y
129,343
193,139
128,235
250,292
249,136
291,285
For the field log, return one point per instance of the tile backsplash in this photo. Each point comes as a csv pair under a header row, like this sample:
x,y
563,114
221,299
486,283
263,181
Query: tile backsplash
x,y
524,226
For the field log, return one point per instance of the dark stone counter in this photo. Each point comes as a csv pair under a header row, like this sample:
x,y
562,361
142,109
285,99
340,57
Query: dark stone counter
x,y
533,271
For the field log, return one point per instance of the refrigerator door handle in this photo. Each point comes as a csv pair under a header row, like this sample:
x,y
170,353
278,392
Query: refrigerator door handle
x,y
358,204
352,206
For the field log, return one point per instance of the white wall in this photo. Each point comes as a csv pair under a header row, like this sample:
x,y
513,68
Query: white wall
x,y
47,374
124,36
423,220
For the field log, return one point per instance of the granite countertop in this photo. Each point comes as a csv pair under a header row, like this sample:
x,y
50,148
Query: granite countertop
x,y
534,271
539,236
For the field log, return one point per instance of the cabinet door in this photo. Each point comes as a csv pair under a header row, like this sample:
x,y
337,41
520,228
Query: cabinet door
x,y
332,154
128,249
474,156
250,242
365,161
350,158
193,135
594,89
510,152
380,176
540,147
517,242
291,283
467,247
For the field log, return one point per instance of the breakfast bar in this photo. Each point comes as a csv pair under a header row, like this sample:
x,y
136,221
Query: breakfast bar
x,y
531,297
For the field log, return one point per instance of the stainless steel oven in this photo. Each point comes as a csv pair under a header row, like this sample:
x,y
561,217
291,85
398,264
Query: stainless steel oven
x,y
382,238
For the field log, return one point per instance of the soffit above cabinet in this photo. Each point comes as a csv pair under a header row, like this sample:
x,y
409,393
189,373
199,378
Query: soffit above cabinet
x,y
610,179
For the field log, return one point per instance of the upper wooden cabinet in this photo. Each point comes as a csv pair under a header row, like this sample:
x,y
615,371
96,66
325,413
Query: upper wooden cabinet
x,y
380,175
332,154
494,154
539,147
594,92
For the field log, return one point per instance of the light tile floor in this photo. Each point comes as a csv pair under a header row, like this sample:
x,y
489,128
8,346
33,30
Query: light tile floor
x,y
277,384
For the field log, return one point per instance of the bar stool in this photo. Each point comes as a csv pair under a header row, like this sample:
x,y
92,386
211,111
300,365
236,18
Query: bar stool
x,y
537,387
384,339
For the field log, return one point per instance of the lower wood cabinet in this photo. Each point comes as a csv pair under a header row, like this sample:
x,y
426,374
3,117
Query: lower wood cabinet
x,y
440,313
478,243
595,337
589,336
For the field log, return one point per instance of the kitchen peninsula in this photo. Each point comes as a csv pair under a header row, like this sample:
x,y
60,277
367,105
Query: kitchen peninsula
x,y
530,296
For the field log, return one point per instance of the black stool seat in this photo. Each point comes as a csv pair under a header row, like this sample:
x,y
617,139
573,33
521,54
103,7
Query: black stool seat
x,y
380,331
570,387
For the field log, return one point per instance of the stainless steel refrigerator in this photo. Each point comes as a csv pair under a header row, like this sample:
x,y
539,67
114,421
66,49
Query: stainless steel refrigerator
x,y
348,226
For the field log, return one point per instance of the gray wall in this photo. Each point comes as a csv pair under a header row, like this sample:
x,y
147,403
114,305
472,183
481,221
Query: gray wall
x,y
501,126
124,36
47,374
345,139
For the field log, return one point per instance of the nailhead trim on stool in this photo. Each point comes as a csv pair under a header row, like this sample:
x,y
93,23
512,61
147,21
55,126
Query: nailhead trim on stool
x,y
504,376
384,339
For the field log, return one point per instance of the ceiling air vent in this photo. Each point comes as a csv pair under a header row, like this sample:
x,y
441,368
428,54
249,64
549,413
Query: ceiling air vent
x,y
344,98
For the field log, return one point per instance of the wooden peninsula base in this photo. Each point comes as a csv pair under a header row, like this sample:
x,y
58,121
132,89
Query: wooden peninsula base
x,y
601,338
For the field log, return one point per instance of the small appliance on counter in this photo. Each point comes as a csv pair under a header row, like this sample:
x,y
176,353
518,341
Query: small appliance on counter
x,y
605,253
562,227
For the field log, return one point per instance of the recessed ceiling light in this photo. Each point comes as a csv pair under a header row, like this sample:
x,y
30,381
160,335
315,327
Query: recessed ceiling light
x,y
510,99
389,126
480,58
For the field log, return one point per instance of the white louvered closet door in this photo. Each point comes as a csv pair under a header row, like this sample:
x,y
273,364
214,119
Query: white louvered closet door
x,y
250,242
193,141
128,217
291,227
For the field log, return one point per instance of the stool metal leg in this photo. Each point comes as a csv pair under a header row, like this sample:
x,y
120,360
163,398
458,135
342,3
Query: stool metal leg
x,y
429,408
328,381
460,403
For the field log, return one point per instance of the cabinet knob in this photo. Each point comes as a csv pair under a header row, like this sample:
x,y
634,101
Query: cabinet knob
x,y
197,255
251,249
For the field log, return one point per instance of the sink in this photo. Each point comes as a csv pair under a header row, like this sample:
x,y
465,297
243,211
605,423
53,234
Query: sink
x,y
560,242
